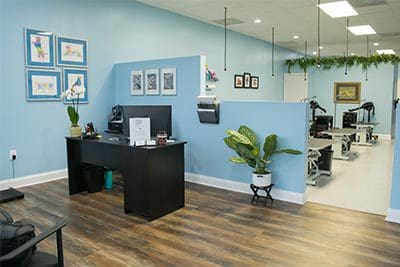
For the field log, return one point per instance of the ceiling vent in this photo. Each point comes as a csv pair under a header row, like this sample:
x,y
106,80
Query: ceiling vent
x,y
288,43
367,3
389,34
229,21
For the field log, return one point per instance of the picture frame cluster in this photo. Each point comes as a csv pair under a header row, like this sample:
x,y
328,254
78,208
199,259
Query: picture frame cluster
x,y
54,64
246,81
153,82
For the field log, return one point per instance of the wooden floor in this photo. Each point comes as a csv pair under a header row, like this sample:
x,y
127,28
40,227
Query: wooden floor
x,y
216,228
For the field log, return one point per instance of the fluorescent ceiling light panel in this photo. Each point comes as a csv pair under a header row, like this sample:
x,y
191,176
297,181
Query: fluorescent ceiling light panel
x,y
257,21
296,37
386,52
361,30
338,9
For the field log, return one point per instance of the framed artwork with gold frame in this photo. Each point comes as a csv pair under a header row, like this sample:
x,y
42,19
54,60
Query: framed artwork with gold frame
x,y
347,92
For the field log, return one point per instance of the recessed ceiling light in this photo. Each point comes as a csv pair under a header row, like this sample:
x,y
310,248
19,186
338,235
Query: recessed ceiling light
x,y
321,47
362,30
376,44
352,54
314,53
338,9
296,37
386,52
257,21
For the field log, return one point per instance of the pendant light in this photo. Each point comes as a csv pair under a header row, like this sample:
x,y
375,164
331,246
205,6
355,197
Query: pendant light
x,y
226,9
305,58
273,51
347,45
368,54
319,34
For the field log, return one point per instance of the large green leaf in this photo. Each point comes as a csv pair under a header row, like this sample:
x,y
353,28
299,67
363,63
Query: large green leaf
x,y
231,143
270,145
246,131
237,160
238,137
289,151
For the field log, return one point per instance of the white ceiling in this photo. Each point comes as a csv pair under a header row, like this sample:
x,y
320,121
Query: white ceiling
x,y
298,17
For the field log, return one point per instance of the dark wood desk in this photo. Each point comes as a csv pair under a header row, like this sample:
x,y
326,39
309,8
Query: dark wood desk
x,y
153,175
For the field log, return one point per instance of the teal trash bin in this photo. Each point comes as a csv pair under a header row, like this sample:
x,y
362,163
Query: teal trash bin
x,y
108,179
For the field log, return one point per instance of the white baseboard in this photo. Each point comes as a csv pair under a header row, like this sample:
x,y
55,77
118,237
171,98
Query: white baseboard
x,y
393,216
384,137
241,187
34,179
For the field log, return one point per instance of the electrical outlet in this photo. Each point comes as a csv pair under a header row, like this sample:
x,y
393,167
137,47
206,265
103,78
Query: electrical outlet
x,y
13,154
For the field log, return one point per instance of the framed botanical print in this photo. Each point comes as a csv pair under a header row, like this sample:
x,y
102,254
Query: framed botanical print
x,y
151,83
238,81
347,92
137,82
39,48
76,79
71,52
254,82
43,85
246,80
168,81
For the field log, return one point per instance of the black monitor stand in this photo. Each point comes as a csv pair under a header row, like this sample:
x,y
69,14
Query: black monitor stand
x,y
10,194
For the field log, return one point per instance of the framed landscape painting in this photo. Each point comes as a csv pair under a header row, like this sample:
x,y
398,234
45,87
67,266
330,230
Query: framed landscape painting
x,y
39,49
347,92
43,85
71,52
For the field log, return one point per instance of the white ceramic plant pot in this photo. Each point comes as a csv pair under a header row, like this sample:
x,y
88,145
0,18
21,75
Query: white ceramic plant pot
x,y
75,131
262,180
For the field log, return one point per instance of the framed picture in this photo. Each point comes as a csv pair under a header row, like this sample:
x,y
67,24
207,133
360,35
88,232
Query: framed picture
x,y
238,81
254,82
151,83
347,92
246,80
168,81
39,49
71,52
137,82
43,85
77,79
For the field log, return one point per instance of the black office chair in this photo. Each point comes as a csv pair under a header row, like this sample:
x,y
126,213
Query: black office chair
x,y
38,258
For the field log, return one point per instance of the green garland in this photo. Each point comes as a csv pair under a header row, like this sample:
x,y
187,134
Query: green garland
x,y
339,62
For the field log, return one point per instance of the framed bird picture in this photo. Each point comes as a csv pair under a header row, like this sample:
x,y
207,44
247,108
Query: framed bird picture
x,y
71,52
76,80
39,48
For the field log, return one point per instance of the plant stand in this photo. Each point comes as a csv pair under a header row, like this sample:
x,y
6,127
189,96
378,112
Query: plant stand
x,y
257,197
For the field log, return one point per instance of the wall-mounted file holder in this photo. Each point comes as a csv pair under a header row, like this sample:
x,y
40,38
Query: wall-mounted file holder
x,y
208,113
208,109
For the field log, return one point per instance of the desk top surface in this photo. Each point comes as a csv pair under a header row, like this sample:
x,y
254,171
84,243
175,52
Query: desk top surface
x,y
114,139
365,123
318,143
341,131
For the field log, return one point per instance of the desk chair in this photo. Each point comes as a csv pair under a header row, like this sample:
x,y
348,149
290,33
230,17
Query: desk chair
x,y
41,259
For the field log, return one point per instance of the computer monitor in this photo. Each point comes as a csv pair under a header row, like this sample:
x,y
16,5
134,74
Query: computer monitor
x,y
160,118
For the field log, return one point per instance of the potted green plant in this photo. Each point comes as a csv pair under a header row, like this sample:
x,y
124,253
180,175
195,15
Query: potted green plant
x,y
244,142
73,95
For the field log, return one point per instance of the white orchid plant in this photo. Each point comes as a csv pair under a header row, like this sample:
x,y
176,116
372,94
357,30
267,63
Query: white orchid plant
x,y
73,94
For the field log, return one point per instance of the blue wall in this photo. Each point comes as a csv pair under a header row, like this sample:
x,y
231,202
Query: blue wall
x,y
206,153
395,194
378,89
117,31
